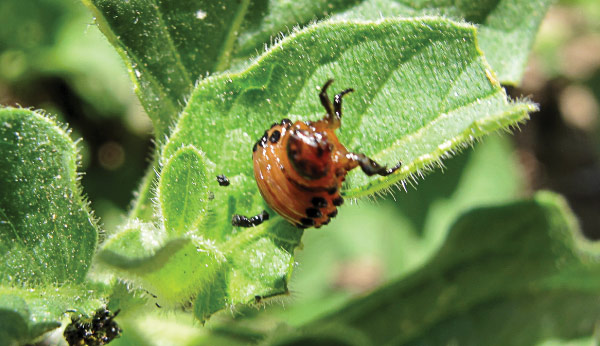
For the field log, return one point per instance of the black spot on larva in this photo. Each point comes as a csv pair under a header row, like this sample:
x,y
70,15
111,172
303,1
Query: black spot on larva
x,y
332,190
274,124
326,222
333,214
286,122
320,151
263,140
222,179
255,147
319,202
338,201
307,222
313,213
275,136
299,225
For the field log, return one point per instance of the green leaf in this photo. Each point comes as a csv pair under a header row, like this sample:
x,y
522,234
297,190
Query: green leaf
x,y
27,313
171,269
183,189
501,267
235,268
168,46
506,28
585,341
194,38
423,90
508,33
46,233
47,237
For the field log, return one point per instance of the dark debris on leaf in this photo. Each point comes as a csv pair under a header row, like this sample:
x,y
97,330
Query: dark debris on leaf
x,y
98,330
223,180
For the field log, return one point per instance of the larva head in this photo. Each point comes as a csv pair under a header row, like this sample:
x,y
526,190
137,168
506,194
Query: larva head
x,y
309,152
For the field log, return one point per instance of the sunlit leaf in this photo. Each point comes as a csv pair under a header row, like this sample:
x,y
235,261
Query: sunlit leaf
x,y
506,28
255,263
423,89
47,237
46,233
183,191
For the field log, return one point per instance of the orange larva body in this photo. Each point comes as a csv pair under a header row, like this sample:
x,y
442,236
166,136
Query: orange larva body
x,y
299,167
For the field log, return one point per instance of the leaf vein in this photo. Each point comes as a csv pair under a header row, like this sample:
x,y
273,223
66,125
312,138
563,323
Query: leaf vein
x,y
222,61
169,36
132,61
26,248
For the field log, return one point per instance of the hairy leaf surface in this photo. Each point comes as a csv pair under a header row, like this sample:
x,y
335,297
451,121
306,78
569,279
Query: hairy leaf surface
x,y
423,89
27,313
47,237
46,232
168,45
197,255
506,28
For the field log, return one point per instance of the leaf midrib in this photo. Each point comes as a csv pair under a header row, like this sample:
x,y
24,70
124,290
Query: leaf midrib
x,y
224,57
169,37
247,236
440,112
23,248
433,122
129,56
184,213
381,183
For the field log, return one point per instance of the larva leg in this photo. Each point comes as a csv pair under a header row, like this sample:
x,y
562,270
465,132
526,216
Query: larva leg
x,y
325,101
370,167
